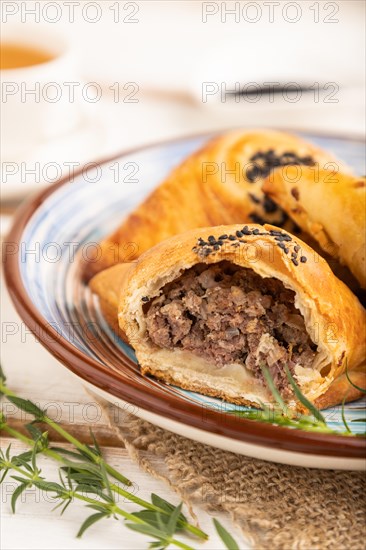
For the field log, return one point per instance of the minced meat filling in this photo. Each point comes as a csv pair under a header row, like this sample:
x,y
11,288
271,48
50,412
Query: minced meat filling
x,y
229,314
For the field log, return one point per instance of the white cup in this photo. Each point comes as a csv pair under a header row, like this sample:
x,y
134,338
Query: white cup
x,y
36,101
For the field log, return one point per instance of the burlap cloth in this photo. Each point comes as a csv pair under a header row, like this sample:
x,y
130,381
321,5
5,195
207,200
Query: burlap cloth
x,y
276,506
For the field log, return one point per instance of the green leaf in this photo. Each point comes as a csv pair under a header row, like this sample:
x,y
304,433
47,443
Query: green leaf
x,y
2,377
84,488
96,449
168,508
158,545
27,406
34,431
362,390
146,530
150,517
276,394
90,521
81,467
87,479
50,486
173,520
63,451
162,503
21,462
5,473
97,507
106,481
225,536
27,456
301,397
343,415
63,504
20,479
17,492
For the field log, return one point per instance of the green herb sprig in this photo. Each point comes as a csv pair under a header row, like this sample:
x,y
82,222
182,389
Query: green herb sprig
x,y
281,415
85,472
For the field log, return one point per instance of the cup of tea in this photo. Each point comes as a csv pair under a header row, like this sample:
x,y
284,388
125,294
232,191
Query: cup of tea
x,y
39,80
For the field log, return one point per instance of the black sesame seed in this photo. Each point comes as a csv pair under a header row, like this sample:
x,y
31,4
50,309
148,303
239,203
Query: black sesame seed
x,y
145,298
211,239
283,237
264,162
232,238
206,251
223,237
303,259
283,220
255,199
295,262
239,234
246,230
220,242
257,219
255,231
258,155
286,250
216,247
308,160
296,248
253,174
269,206
295,193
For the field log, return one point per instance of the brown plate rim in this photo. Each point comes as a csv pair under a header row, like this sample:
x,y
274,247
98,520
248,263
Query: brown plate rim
x,y
248,431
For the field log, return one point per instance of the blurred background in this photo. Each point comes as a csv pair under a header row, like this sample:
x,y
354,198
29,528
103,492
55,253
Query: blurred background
x,y
153,70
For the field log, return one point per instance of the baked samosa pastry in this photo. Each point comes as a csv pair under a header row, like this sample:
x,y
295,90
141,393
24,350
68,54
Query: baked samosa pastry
x,y
107,286
219,184
329,206
206,309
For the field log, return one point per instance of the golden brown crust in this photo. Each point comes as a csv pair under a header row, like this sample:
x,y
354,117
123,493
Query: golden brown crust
x,y
211,187
329,206
196,386
107,286
333,315
341,389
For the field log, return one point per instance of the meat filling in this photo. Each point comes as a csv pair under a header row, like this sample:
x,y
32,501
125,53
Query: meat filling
x,y
229,314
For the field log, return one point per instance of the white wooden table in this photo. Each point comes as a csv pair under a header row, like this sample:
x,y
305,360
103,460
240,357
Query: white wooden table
x,y
33,373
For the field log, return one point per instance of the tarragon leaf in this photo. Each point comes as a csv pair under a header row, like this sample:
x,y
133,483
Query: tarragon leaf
x,y
34,431
362,390
301,397
147,530
16,494
173,519
27,406
167,507
50,486
225,536
90,521
96,449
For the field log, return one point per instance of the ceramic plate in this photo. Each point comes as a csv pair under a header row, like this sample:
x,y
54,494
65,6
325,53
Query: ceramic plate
x,y
43,271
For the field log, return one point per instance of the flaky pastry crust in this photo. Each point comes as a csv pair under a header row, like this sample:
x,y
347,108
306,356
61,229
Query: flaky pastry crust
x,y
219,184
330,206
333,316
